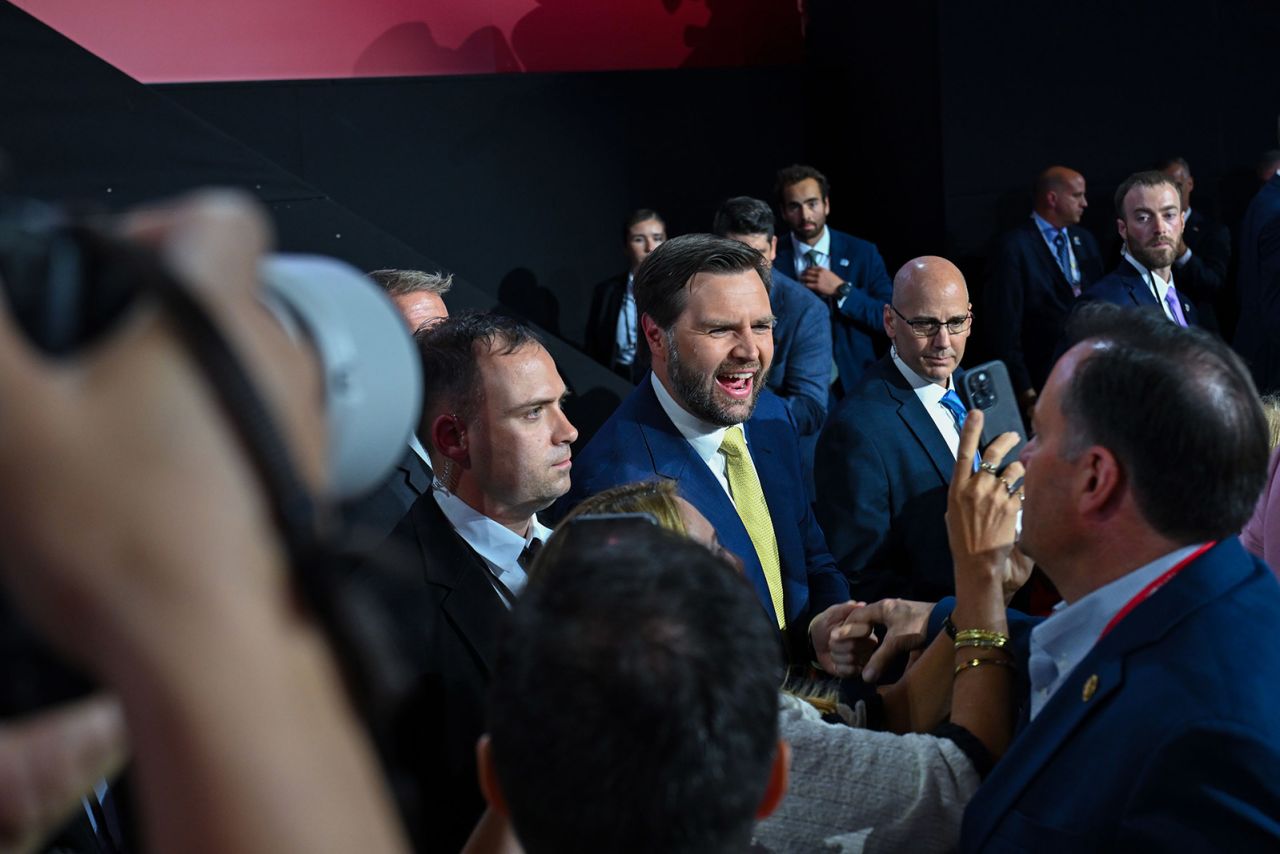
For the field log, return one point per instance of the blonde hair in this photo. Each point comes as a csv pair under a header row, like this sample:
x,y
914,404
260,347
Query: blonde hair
x,y
655,497
1271,408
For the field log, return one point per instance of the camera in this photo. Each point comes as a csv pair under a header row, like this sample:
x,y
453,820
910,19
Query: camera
x,y
68,283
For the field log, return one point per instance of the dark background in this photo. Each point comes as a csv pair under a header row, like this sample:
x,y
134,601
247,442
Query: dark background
x,y
930,118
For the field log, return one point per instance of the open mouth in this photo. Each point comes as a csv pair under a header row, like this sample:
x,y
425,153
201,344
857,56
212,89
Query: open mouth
x,y
737,384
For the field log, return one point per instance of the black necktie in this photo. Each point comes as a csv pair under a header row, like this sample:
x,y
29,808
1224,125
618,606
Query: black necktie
x,y
529,553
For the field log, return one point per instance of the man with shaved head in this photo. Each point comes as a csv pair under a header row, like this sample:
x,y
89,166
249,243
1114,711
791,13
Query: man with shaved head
x,y
1037,271
886,455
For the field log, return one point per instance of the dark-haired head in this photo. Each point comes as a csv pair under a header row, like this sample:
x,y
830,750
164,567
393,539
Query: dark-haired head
x,y
634,702
1179,411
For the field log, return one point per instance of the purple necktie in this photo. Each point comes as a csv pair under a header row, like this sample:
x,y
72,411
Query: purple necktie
x,y
1171,297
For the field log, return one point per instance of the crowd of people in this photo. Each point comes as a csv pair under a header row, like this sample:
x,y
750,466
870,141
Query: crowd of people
x,y
765,607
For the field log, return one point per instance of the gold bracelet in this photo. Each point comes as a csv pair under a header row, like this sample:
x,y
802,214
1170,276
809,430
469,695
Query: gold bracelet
x,y
984,643
978,662
997,639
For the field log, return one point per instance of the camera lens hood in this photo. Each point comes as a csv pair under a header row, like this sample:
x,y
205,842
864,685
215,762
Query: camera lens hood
x,y
371,372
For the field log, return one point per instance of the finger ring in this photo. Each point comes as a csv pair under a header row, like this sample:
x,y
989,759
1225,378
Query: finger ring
x,y
1022,496
1009,487
989,468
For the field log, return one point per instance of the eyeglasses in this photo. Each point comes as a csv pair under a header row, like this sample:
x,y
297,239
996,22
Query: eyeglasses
x,y
930,327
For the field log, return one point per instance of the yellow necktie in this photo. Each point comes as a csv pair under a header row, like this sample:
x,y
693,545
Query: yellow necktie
x,y
744,483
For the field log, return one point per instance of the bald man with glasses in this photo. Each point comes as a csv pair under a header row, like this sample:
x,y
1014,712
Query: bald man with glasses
x,y
885,457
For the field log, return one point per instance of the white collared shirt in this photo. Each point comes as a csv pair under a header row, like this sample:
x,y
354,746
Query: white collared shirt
x,y
1063,640
802,249
1156,285
702,436
628,328
497,545
416,445
1047,231
930,395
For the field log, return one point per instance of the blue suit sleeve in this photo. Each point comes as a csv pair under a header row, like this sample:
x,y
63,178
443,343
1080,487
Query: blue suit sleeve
x,y
1214,786
864,306
853,507
808,371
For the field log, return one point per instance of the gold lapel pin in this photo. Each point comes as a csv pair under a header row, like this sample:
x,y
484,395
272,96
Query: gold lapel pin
x,y
1090,686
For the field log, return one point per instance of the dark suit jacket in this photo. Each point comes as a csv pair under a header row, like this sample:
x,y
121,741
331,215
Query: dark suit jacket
x,y
600,339
801,371
443,618
1124,286
1258,280
882,491
857,327
1177,749
639,442
1027,298
1203,278
368,520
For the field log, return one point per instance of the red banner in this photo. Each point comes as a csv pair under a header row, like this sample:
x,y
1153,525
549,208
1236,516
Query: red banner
x,y
158,41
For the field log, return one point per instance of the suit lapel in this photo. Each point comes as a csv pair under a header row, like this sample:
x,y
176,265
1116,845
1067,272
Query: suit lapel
x,y
918,421
1100,674
470,602
672,457
1061,286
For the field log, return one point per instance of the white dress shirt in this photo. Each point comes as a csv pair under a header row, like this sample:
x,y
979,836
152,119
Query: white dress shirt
x,y
1063,640
497,545
704,437
1158,286
930,395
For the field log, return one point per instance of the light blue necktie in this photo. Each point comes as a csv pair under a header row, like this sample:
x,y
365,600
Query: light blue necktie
x,y
951,401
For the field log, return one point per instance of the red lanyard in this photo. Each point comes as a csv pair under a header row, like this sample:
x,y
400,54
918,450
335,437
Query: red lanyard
x,y
1147,592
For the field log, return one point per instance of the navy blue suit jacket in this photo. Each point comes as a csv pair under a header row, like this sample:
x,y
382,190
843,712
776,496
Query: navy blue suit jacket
x,y
1177,747
882,491
1258,280
639,442
1124,286
857,327
801,370
1027,299
1203,279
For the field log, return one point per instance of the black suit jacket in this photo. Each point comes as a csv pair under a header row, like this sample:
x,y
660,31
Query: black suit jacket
x,y
600,339
882,477
369,519
1124,286
443,617
1203,278
1027,299
1258,279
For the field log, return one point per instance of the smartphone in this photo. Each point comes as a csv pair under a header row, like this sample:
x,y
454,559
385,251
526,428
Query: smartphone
x,y
605,528
987,387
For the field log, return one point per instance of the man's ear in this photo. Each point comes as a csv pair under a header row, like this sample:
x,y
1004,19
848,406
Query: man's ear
x,y
773,249
449,436
1103,482
656,337
888,323
489,778
1124,232
778,775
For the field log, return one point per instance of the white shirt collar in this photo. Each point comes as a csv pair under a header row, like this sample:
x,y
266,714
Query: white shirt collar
x,y
918,383
496,543
704,436
1062,641
416,445
1158,286
823,246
